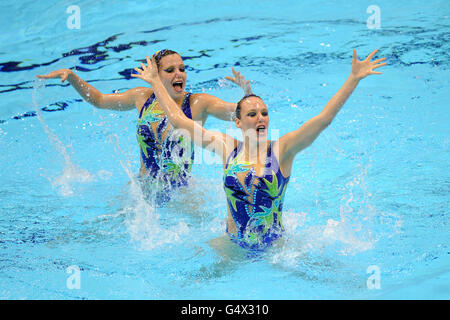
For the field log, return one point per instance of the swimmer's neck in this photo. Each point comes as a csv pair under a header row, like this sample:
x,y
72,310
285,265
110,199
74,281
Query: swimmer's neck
x,y
255,150
179,100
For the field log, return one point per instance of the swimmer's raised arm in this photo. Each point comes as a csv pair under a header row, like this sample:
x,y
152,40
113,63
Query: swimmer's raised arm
x,y
295,141
116,101
216,142
223,110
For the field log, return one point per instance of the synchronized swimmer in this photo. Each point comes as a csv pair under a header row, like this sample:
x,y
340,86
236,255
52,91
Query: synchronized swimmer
x,y
256,170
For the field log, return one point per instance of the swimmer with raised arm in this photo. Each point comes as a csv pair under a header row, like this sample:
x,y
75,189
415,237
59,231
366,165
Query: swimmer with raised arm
x,y
257,171
165,160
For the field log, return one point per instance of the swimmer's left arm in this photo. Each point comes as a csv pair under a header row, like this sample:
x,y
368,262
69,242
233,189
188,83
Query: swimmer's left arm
x,y
221,109
297,140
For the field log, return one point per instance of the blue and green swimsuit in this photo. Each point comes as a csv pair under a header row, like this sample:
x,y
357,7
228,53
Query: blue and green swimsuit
x,y
255,203
167,156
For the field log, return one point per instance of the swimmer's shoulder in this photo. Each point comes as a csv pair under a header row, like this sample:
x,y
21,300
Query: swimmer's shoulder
x,y
200,102
141,95
202,99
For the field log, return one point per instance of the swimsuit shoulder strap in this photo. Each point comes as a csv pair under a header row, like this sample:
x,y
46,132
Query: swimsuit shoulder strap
x,y
271,160
234,153
186,106
269,150
272,164
147,103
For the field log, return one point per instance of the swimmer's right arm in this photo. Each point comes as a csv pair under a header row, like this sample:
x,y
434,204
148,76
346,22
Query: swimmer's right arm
x,y
116,101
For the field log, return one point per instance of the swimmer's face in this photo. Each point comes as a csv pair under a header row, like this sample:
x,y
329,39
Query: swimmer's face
x,y
254,119
173,75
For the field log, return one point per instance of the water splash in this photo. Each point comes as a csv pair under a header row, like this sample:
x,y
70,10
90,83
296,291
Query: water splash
x,y
142,219
357,230
72,173
144,225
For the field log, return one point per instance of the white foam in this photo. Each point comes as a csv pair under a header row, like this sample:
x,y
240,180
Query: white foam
x,y
71,174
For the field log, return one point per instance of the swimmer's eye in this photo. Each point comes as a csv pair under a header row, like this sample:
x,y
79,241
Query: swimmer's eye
x,y
252,114
171,69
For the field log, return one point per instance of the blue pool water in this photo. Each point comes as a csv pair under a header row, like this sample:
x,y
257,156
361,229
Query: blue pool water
x,y
367,201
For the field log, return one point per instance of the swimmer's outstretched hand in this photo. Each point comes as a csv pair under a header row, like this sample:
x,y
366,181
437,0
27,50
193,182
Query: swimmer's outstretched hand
x,y
363,68
148,72
240,81
62,73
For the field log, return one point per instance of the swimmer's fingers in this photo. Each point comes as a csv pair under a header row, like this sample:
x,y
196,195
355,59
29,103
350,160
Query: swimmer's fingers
x,y
378,60
152,62
138,74
238,78
236,73
232,79
370,56
134,75
63,74
377,66
51,75
239,81
147,73
153,66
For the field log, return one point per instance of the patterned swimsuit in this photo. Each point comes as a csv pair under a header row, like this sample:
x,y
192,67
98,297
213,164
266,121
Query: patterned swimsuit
x,y
167,156
255,203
